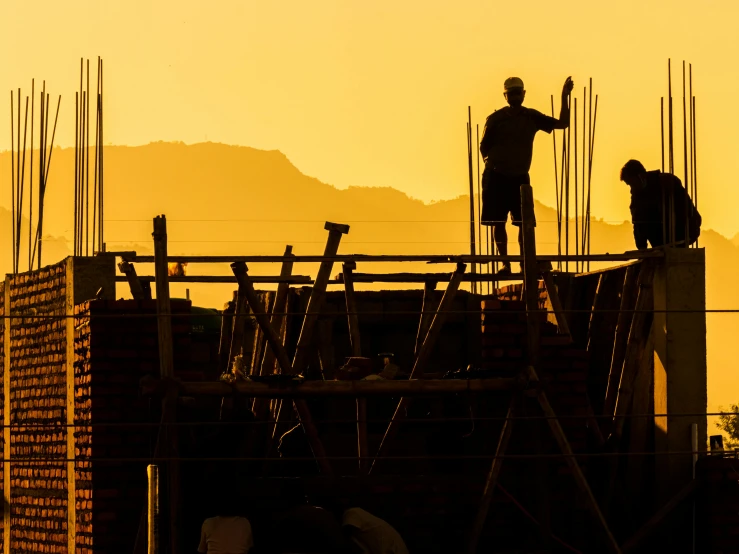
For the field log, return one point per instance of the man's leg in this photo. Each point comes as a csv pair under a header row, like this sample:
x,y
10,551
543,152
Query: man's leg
x,y
501,242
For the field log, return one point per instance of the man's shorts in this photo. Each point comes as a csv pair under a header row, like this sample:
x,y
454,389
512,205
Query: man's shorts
x,y
501,195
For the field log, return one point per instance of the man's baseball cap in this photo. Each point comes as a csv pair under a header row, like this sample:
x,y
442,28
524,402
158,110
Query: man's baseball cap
x,y
512,82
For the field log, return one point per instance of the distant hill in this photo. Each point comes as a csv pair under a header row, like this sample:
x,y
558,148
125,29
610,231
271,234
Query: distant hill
x,y
222,199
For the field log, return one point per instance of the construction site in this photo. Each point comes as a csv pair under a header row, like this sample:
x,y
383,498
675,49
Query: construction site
x,y
559,409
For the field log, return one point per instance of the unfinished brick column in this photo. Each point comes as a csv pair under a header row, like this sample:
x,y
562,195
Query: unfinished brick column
x,y
680,368
39,512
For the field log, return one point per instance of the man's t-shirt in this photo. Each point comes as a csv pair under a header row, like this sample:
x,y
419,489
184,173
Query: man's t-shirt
x,y
508,139
372,534
226,535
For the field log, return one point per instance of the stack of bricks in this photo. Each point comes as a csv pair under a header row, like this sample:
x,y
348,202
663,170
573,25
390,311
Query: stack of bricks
x,y
3,450
562,368
717,505
37,405
116,345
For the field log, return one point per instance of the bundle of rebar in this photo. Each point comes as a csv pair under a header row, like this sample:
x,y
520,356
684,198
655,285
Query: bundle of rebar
x,y
690,165
18,171
563,176
88,232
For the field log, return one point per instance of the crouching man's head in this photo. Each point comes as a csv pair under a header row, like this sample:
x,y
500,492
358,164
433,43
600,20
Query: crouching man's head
x,y
634,175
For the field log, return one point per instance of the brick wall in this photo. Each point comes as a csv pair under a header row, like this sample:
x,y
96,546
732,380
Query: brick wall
x,y
116,345
37,405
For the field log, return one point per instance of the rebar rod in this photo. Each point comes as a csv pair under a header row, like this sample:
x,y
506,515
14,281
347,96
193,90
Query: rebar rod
x,y
30,195
12,171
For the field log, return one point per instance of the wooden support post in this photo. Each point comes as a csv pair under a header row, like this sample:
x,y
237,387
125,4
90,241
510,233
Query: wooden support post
x,y
423,356
492,478
166,372
623,327
428,305
137,290
641,327
318,294
356,342
247,288
553,300
531,272
224,346
580,480
278,311
241,311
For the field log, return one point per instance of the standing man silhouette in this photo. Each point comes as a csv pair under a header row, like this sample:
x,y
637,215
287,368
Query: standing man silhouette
x,y
507,147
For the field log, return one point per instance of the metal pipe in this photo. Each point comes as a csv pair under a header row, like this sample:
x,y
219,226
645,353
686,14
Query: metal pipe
x,y
30,197
472,189
12,171
577,229
685,163
556,189
590,171
152,472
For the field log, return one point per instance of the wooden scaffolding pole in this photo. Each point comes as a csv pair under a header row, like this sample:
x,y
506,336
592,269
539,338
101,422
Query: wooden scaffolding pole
x,y
166,372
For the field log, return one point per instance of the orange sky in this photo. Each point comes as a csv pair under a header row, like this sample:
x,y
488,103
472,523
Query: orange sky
x,y
376,93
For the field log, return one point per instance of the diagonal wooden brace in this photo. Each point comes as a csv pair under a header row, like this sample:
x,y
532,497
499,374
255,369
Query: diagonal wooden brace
x,y
423,356
318,294
247,287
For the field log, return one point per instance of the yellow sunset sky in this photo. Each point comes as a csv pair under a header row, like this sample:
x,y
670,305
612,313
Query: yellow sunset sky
x,y
376,93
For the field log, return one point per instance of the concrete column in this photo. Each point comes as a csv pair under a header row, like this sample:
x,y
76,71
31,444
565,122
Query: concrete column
x,y
680,381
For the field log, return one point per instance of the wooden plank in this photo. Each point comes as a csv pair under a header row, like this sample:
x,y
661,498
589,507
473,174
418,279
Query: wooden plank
x,y
166,372
260,279
428,307
318,294
247,288
623,327
423,358
601,333
658,518
641,326
492,478
554,303
580,480
134,283
323,389
431,258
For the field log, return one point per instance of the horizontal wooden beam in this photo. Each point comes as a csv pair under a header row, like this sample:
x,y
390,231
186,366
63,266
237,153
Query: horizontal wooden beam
x,y
416,387
430,258
427,277
266,279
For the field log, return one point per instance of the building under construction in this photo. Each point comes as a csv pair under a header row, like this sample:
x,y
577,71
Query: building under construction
x,y
564,414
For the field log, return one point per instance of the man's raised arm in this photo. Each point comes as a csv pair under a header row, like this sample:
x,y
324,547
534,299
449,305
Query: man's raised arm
x,y
564,112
